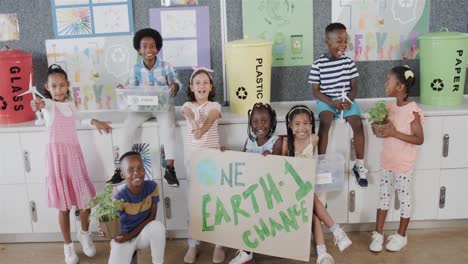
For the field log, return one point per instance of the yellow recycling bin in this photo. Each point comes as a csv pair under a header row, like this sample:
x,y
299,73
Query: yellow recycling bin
x,y
248,67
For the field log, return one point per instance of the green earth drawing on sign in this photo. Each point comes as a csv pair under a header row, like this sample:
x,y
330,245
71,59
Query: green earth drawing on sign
x,y
207,172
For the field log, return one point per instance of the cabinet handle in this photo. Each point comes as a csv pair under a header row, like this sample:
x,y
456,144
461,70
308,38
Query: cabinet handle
x,y
442,197
167,207
33,208
445,148
352,201
352,152
27,162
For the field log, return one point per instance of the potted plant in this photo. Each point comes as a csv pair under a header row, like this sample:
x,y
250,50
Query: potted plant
x,y
378,117
105,211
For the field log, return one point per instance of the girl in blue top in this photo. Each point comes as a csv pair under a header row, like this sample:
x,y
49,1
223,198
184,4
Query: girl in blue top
x,y
260,129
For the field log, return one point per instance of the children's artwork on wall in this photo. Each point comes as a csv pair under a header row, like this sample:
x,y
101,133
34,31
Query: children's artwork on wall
x,y
178,2
253,203
384,29
287,23
9,29
95,66
186,35
88,18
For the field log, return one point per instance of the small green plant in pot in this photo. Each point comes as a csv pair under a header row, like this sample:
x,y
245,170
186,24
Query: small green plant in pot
x,y
378,117
106,212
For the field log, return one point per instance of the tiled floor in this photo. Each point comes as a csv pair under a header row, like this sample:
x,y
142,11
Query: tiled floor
x,y
424,246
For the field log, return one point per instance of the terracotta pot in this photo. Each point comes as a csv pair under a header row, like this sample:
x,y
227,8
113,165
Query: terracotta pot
x,y
377,128
111,229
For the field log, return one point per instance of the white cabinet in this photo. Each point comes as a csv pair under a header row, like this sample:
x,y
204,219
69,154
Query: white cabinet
x,y
453,194
146,138
14,209
424,194
372,149
43,218
33,145
430,152
97,152
455,137
11,159
175,206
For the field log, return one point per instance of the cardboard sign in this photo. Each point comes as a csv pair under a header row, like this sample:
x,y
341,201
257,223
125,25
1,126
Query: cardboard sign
x,y
251,202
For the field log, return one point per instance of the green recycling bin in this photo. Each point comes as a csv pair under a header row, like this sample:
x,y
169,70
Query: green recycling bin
x,y
443,59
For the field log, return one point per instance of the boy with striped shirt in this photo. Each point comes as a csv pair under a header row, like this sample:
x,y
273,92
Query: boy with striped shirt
x,y
330,75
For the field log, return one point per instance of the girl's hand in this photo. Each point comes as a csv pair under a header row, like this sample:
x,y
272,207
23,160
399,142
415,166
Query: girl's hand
x,y
100,232
119,86
37,104
197,133
266,152
101,125
387,130
123,237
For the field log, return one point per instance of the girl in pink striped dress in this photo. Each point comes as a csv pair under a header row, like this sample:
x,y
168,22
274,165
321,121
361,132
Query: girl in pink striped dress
x,y
67,181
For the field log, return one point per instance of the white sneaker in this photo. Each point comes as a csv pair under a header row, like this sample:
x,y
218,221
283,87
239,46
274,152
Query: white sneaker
x,y
396,242
325,258
376,242
191,255
87,244
70,254
242,257
341,239
218,254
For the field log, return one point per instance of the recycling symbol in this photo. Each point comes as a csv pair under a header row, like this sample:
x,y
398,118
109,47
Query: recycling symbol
x,y
3,104
241,93
437,85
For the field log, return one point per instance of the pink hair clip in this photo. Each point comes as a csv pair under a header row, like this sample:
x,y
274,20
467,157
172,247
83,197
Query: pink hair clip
x,y
197,69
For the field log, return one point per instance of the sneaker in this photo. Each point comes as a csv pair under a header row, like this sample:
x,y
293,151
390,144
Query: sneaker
x,y
341,239
396,242
376,242
70,254
218,254
360,173
116,178
242,257
191,255
87,243
325,258
171,177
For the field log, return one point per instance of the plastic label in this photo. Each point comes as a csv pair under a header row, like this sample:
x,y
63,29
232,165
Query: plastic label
x,y
324,178
142,100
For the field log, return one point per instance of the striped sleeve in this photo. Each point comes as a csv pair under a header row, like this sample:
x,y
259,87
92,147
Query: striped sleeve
x,y
353,72
132,79
314,73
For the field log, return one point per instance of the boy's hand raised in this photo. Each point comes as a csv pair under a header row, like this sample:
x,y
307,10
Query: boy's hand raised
x,y
174,87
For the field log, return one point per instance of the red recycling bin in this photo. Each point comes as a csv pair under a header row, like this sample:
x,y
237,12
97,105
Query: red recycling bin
x,y
15,71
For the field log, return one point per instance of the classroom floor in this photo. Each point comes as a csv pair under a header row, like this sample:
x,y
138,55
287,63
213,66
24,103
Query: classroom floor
x,y
424,246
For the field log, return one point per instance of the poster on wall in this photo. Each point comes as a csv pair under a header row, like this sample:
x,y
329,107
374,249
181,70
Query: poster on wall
x,y
88,18
287,23
384,29
9,29
178,2
251,202
186,34
95,66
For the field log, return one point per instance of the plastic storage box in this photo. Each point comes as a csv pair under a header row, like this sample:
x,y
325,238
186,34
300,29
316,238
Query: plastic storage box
x,y
330,173
144,98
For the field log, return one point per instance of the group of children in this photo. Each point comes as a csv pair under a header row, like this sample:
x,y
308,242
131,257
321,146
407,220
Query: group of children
x,y
68,183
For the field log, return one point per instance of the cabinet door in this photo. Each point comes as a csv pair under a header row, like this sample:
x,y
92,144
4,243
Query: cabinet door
x,y
455,133
11,159
373,148
175,206
14,209
454,184
339,141
97,152
430,152
43,218
424,191
337,204
34,146
363,201
147,138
